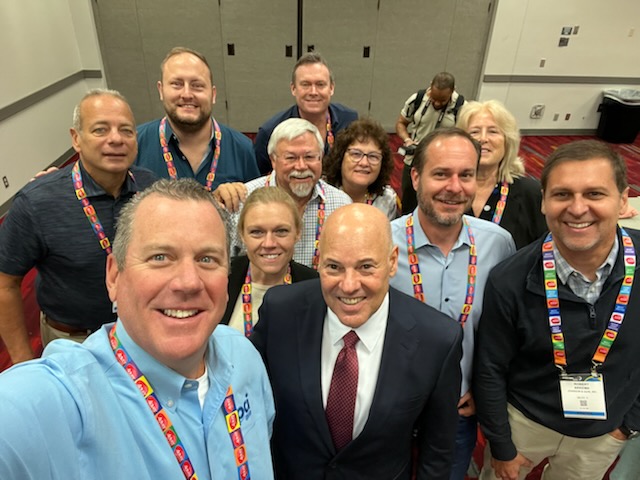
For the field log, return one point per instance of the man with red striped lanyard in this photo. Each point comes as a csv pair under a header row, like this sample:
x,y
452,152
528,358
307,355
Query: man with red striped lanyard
x,y
557,372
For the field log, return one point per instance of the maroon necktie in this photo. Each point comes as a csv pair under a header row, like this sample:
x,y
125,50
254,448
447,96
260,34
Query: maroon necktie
x,y
341,402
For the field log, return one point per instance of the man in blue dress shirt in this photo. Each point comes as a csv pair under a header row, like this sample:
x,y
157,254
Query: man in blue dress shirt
x,y
158,393
446,256
188,142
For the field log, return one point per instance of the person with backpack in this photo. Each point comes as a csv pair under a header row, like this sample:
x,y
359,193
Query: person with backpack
x,y
423,112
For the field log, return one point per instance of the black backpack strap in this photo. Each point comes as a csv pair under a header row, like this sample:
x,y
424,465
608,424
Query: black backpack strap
x,y
456,107
413,106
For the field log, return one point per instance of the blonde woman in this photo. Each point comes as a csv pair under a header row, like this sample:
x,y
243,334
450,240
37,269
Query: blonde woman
x,y
505,195
269,226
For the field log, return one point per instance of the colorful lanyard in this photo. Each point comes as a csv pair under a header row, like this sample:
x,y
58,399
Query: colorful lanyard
x,y
330,138
416,278
368,198
87,208
168,156
162,417
319,224
504,193
247,306
553,302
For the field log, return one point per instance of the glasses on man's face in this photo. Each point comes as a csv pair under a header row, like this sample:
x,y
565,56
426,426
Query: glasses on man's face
x,y
308,158
374,158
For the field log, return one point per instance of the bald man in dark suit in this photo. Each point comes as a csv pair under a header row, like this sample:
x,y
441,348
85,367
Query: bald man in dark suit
x,y
316,336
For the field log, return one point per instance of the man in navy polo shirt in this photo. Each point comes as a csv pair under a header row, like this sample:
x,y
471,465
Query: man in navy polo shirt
x,y
63,224
312,85
188,142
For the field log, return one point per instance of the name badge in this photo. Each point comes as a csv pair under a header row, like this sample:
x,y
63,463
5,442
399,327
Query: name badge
x,y
583,396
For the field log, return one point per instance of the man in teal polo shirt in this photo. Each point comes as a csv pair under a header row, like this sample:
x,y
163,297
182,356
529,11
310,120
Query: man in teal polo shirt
x,y
188,142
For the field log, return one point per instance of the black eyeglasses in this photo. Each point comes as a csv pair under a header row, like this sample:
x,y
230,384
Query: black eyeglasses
x,y
308,158
374,158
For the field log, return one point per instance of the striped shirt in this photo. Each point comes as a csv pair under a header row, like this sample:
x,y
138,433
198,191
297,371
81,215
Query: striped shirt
x,y
577,282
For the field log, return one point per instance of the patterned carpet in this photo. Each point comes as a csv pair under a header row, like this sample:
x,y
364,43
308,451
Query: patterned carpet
x,y
536,149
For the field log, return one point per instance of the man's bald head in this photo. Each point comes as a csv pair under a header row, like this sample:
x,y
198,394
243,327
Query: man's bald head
x,y
358,219
357,258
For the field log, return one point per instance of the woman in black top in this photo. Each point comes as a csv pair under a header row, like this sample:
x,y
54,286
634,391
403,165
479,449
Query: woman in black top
x,y
269,226
505,195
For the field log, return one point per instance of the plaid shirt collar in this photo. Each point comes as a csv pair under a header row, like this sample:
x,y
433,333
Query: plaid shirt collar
x,y
581,285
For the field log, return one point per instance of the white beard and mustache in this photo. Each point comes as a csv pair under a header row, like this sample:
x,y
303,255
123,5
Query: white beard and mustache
x,y
301,190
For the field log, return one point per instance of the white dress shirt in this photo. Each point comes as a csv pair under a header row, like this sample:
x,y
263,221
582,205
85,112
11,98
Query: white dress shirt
x,y
369,351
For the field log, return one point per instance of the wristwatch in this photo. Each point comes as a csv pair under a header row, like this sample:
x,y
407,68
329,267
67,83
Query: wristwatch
x,y
626,431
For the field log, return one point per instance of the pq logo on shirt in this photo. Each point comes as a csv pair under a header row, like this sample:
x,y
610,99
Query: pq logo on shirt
x,y
244,410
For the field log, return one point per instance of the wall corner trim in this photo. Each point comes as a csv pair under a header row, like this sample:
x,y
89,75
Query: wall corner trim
x,y
36,97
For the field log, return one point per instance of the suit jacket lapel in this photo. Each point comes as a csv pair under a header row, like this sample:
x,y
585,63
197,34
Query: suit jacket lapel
x,y
397,355
309,340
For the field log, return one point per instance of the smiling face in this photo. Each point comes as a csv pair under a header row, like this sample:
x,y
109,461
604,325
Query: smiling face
x,y
293,173
582,203
270,235
447,184
359,175
357,259
172,291
485,130
312,88
106,141
186,91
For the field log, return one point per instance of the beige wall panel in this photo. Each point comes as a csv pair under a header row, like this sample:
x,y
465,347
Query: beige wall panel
x,y
469,34
130,79
259,73
121,47
412,46
340,31
409,40
197,27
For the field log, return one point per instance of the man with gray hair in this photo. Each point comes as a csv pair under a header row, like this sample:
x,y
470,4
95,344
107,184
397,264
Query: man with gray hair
x,y
164,392
62,224
295,149
360,372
